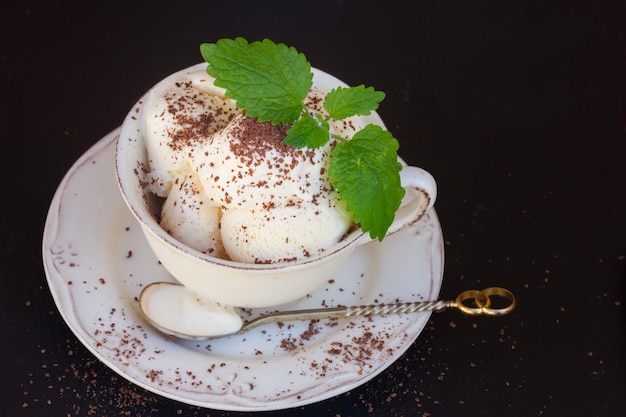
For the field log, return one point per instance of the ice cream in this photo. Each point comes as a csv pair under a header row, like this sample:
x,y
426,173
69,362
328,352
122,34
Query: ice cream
x,y
232,188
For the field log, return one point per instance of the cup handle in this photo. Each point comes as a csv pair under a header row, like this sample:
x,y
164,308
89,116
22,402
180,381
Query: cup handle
x,y
422,184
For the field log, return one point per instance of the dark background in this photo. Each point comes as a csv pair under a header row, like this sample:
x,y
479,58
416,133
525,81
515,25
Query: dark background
x,y
516,108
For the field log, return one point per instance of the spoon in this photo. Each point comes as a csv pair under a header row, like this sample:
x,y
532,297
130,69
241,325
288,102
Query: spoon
x,y
177,311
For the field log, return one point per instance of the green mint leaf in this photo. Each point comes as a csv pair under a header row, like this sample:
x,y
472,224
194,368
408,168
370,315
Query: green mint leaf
x,y
309,131
345,102
366,173
270,81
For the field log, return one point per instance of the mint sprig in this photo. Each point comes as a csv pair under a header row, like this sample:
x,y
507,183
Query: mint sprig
x,y
271,82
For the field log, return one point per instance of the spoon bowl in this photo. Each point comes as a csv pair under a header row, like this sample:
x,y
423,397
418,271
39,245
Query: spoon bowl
x,y
177,311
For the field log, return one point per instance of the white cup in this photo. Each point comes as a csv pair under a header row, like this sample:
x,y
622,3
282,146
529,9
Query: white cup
x,y
243,284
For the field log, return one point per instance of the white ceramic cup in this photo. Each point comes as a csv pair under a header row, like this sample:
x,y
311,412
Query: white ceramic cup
x,y
243,284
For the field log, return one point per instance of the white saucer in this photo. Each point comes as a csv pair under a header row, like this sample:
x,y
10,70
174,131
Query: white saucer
x,y
97,261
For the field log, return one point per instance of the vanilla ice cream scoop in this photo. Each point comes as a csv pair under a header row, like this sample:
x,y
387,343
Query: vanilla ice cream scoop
x,y
190,217
247,165
179,112
282,234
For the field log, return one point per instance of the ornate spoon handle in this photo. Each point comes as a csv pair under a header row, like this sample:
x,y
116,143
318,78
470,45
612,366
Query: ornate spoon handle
x,y
470,302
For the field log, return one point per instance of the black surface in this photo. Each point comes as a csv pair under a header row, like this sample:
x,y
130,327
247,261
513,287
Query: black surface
x,y
517,108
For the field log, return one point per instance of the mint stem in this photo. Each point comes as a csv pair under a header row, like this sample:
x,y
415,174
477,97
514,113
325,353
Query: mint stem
x,y
338,138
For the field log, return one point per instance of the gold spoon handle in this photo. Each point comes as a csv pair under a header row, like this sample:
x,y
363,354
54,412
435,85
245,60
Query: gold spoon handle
x,y
470,302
